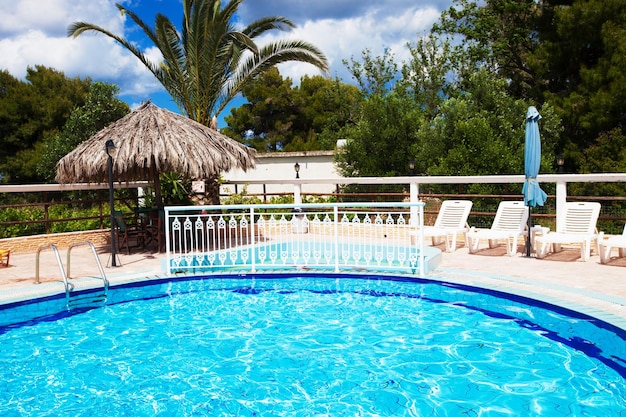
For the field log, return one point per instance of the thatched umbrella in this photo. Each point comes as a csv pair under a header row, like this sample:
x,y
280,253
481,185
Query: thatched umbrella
x,y
151,140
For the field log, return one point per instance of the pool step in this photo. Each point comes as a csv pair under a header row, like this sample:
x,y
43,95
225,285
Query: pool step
x,y
87,300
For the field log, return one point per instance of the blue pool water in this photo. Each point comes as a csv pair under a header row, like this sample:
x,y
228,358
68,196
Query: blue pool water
x,y
313,346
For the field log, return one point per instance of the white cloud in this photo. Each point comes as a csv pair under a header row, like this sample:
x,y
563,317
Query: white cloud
x,y
34,32
346,38
54,16
37,35
300,11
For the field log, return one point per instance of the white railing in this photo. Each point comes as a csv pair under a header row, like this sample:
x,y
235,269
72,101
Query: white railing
x,y
561,181
336,237
414,182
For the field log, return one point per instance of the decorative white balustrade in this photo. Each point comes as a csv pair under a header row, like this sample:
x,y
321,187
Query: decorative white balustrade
x,y
325,237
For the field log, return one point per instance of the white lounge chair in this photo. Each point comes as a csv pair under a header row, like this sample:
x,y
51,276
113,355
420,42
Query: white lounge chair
x,y
508,225
575,225
618,242
451,221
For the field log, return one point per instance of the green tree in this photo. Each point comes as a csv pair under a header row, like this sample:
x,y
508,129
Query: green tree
x,y
266,122
585,76
498,35
30,112
330,106
426,78
380,143
606,154
101,108
380,140
207,62
569,54
481,131
447,124
375,75
281,117
14,133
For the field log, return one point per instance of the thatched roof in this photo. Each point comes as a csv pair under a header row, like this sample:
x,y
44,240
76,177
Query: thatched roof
x,y
151,140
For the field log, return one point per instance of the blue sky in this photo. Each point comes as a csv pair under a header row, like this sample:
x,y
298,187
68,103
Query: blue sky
x,y
33,32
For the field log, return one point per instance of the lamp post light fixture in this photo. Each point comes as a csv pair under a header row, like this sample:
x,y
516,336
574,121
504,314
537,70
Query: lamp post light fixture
x,y
111,150
296,167
411,167
560,161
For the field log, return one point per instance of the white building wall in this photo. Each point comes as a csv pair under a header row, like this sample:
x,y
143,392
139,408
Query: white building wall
x,y
280,166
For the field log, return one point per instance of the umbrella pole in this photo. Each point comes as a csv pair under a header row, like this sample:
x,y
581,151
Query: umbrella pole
x,y
528,242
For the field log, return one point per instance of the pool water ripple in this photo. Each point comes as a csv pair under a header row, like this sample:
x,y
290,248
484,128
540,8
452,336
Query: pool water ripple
x,y
302,347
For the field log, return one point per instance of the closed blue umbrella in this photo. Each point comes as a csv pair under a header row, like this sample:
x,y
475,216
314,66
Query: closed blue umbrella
x,y
533,194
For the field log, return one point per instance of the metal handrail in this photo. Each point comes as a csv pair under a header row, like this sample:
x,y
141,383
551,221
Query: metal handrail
x,y
68,286
56,253
105,281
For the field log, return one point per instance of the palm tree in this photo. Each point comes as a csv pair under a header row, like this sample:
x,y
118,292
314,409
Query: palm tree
x,y
208,63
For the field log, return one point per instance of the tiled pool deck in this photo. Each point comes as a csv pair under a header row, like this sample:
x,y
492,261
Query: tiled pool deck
x,y
561,279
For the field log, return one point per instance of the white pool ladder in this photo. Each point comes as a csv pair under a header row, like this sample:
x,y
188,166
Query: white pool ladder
x,y
88,299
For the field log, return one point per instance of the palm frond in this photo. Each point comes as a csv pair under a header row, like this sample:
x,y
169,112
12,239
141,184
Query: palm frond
x,y
78,28
270,55
146,29
174,62
207,64
264,24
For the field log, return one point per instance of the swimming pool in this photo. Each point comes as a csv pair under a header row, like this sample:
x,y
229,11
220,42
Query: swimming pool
x,y
294,345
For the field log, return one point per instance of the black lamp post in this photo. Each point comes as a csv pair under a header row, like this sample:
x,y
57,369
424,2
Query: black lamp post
x,y
296,167
110,150
560,161
411,167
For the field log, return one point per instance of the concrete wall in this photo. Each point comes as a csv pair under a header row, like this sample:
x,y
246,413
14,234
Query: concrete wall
x,y
280,165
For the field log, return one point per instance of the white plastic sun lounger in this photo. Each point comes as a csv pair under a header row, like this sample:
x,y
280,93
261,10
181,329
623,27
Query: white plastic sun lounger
x,y
451,221
508,225
618,242
577,226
